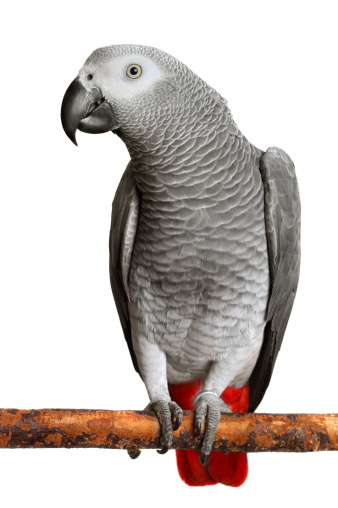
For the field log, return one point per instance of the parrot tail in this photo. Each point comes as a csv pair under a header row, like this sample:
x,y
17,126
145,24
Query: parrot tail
x,y
230,469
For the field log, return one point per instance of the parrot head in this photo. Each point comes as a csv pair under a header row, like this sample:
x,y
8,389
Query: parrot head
x,y
138,92
120,88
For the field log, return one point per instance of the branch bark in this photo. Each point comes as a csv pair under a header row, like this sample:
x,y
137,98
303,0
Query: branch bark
x,y
249,432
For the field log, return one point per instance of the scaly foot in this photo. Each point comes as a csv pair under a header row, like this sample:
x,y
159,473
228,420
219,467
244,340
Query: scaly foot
x,y
209,407
170,417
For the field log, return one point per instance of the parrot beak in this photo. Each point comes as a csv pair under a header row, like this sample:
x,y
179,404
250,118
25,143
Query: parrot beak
x,y
86,110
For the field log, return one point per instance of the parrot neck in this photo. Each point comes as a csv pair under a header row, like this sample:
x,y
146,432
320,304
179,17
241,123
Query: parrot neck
x,y
202,155
186,142
160,134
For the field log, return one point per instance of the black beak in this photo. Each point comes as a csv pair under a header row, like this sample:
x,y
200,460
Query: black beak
x,y
85,110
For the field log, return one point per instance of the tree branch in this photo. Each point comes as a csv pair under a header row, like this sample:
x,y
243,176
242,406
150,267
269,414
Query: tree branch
x,y
249,432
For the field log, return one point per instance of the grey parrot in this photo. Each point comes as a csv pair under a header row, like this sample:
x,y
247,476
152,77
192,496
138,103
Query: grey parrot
x,y
204,244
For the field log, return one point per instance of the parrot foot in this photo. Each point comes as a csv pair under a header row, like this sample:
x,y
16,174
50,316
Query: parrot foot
x,y
208,407
170,418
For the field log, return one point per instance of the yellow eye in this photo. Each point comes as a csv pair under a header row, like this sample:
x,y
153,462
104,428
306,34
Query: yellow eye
x,y
134,71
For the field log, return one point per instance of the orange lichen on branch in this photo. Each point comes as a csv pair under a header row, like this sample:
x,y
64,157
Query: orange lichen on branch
x,y
248,432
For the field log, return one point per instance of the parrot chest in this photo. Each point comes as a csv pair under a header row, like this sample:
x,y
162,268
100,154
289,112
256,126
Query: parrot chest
x,y
199,282
199,276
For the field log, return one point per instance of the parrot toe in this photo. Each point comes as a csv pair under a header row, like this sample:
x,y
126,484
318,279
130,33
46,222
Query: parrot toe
x,y
176,415
208,408
170,418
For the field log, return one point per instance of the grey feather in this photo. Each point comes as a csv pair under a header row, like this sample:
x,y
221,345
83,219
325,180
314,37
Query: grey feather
x,y
282,220
125,211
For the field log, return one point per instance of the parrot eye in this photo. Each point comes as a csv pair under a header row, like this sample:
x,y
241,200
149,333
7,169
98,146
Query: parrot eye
x,y
134,71
89,77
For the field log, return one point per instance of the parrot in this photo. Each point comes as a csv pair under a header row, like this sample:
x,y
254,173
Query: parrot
x,y
204,246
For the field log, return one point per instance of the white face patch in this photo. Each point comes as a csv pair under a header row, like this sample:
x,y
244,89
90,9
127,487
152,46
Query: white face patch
x,y
112,79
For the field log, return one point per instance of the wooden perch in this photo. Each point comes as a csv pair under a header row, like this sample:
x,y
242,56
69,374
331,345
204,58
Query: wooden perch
x,y
71,428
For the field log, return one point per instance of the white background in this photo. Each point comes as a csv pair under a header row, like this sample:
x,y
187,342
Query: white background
x,y
61,342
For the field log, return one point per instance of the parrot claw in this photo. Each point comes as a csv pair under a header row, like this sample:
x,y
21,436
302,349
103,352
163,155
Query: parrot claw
x,y
134,453
163,450
208,407
170,417
198,425
177,420
204,457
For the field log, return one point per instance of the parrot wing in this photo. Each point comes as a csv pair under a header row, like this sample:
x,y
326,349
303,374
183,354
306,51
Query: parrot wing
x,y
282,221
124,220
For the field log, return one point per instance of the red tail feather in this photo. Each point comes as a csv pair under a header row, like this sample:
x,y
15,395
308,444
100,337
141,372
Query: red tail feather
x,y
230,469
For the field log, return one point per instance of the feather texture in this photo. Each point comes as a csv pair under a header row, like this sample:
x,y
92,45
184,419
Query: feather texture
x,y
125,211
282,218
